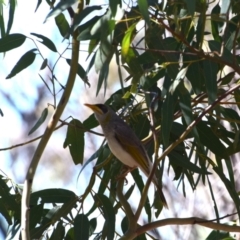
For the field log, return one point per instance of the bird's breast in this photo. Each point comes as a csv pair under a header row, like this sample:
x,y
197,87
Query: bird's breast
x,y
120,153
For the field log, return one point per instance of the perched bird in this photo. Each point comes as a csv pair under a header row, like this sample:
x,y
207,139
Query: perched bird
x,y
123,142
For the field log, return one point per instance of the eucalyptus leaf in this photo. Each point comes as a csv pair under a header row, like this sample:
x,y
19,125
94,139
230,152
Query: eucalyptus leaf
x,y
26,60
40,121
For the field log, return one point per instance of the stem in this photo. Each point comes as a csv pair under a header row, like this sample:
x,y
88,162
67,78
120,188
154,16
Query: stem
x,y
46,136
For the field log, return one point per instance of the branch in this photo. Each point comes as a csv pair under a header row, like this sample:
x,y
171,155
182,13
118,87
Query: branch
x,y
187,221
30,141
46,136
128,210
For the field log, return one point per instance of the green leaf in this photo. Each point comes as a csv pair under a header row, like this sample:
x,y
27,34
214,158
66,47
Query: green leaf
x,y
215,23
143,7
227,79
195,66
90,122
12,7
127,40
124,227
44,64
230,188
113,6
83,14
11,41
186,108
36,214
46,41
40,121
62,25
81,227
92,226
237,97
92,158
191,4
85,30
5,212
58,232
216,234
210,76
103,76
26,60
105,25
81,72
210,140
2,24
75,141
167,117
37,232
38,4
226,55
52,195
70,234
108,213
60,7
182,160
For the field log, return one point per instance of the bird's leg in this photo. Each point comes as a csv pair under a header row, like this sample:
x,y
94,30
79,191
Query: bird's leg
x,y
124,171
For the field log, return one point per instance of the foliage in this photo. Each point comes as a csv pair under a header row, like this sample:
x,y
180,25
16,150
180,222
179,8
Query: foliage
x,y
182,65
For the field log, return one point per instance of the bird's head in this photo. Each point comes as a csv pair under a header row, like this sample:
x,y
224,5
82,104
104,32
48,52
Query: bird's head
x,y
102,112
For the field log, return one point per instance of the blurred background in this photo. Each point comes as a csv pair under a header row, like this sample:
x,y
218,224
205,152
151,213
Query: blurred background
x,y
24,97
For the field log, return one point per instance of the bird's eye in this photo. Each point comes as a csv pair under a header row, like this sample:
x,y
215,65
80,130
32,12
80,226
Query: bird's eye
x,y
103,107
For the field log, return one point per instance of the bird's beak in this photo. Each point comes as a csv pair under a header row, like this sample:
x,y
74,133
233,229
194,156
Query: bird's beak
x,y
95,108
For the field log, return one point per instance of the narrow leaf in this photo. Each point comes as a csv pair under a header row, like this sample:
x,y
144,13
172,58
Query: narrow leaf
x,y
75,141
38,4
143,7
230,188
81,227
81,72
83,14
44,64
11,15
113,6
46,41
183,161
185,105
40,121
127,40
52,195
103,78
26,60
11,41
92,226
210,140
108,213
58,232
191,4
210,75
167,117
62,25
60,7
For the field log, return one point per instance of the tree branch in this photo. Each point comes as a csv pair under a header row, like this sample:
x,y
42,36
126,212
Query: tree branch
x,y
46,136
187,221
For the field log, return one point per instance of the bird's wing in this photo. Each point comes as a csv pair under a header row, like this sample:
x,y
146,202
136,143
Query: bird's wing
x,y
130,142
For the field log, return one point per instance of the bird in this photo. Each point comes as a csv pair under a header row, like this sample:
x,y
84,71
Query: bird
x,y
123,143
